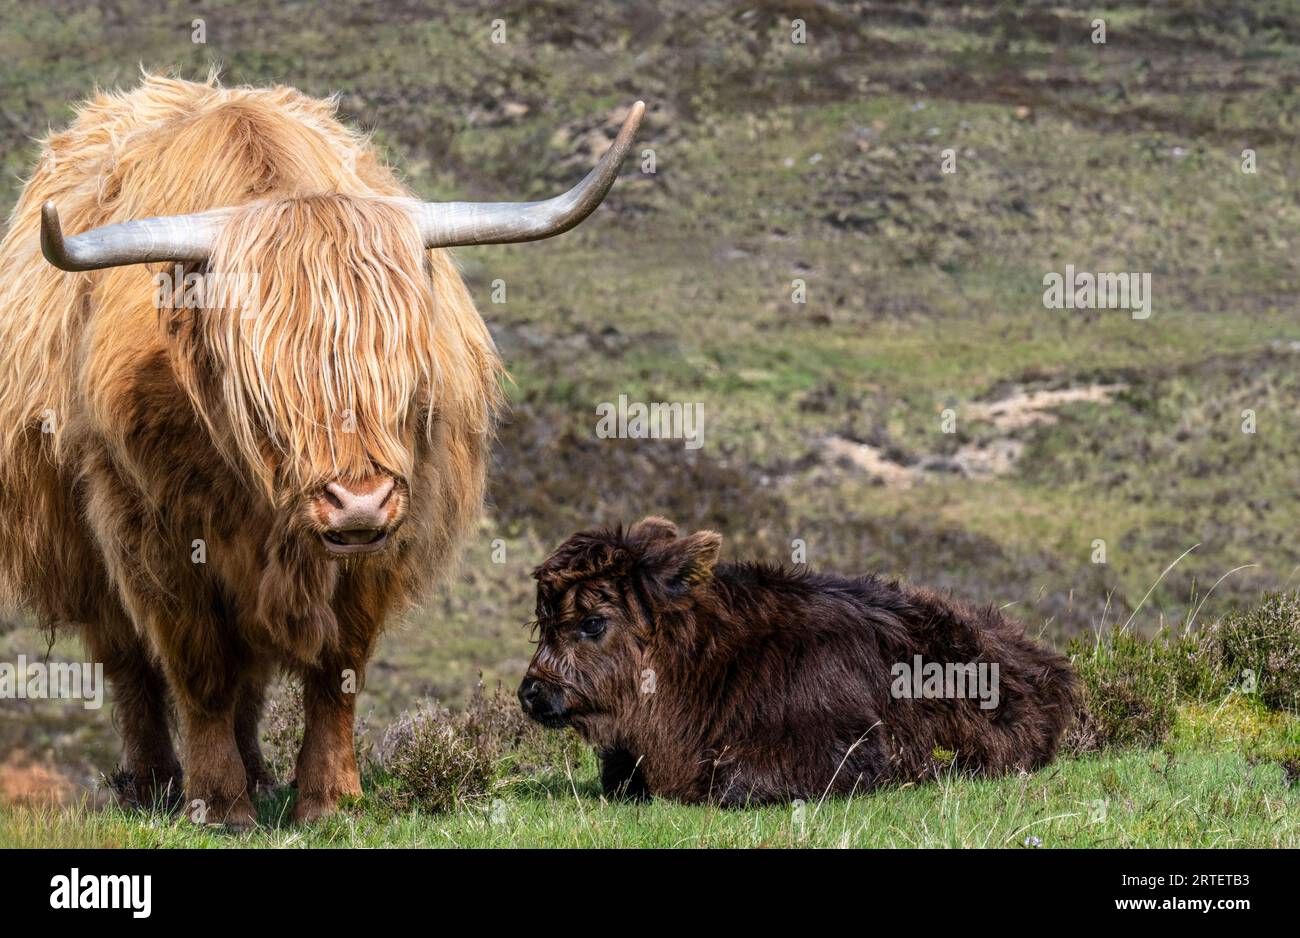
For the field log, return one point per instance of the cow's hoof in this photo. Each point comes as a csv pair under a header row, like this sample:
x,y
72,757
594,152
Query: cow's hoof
x,y
238,825
150,789
309,809
238,816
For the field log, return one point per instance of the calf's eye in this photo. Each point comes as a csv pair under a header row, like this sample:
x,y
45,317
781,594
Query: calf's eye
x,y
592,627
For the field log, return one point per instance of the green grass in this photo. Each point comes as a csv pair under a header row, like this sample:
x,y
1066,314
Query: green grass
x,y
1201,792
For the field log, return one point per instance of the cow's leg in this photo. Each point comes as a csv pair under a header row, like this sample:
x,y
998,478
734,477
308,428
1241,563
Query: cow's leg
x,y
216,787
206,672
248,715
621,775
327,763
140,709
178,605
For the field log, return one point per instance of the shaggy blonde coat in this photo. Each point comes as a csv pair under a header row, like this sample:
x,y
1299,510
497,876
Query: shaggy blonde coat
x,y
155,463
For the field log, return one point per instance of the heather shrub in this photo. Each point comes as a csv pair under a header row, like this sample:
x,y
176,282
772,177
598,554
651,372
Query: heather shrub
x,y
1132,686
522,747
1127,692
1258,650
282,727
427,761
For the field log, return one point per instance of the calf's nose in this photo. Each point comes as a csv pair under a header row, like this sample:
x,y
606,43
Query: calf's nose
x,y
529,692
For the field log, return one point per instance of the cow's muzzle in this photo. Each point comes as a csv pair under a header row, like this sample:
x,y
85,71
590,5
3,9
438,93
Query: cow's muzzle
x,y
359,516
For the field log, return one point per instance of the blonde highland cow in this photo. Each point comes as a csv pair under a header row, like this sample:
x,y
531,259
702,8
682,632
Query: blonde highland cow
x,y
214,492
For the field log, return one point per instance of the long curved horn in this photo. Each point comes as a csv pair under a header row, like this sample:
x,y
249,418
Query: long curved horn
x,y
170,238
448,224
441,224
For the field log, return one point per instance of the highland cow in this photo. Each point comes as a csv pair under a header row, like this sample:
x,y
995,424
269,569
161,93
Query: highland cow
x,y
217,491
748,684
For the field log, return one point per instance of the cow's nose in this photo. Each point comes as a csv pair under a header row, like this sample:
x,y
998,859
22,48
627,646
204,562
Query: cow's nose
x,y
357,515
529,691
360,505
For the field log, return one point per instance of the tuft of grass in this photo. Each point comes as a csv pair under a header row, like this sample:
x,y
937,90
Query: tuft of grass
x,y
1242,724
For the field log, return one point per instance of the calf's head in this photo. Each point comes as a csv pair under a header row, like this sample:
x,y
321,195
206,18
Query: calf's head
x,y
607,602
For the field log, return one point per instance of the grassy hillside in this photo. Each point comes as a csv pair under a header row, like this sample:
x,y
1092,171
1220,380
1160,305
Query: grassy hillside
x,y
818,162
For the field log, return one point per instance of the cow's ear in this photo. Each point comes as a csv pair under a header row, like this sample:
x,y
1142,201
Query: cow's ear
x,y
680,566
652,530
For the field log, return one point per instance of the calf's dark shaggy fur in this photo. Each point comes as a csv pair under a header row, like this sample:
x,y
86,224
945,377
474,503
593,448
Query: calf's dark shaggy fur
x,y
748,684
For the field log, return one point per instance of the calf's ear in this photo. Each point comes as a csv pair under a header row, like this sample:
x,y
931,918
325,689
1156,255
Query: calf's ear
x,y
679,566
651,530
